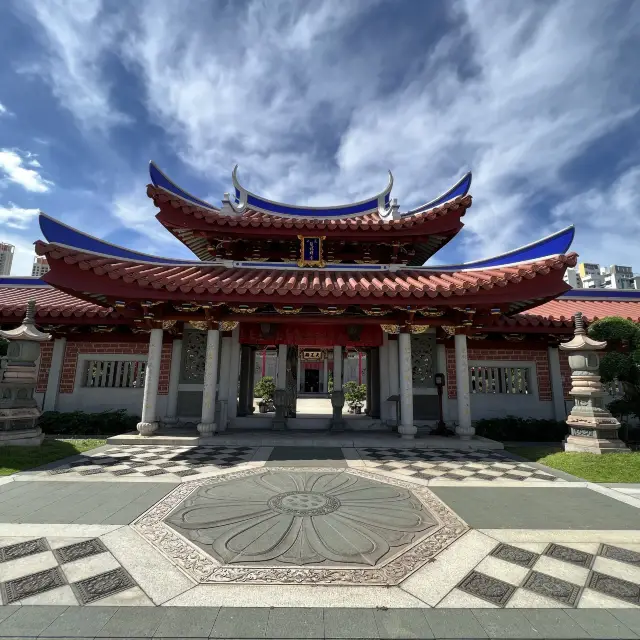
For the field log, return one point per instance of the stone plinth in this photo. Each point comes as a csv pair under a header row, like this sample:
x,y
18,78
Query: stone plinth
x,y
19,410
592,427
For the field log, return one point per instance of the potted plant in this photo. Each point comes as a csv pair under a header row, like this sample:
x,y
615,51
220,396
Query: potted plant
x,y
265,389
355,395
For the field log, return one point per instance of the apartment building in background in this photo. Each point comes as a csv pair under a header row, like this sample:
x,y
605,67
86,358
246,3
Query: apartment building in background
x,y
6,258
590,275
40,266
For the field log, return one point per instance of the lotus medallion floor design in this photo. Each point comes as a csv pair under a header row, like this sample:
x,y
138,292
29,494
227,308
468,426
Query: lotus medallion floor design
x,y
287,525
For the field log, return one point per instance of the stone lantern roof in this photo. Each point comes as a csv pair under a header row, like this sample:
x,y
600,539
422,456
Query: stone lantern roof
x,y
581,341
27,331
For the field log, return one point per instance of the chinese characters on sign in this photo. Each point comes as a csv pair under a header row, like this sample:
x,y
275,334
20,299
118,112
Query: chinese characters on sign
x,y
311,252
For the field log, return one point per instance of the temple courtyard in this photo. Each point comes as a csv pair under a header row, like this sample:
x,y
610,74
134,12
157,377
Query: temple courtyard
x,y
323,541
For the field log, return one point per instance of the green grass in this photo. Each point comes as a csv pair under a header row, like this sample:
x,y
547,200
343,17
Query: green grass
x,y
610,467
14,459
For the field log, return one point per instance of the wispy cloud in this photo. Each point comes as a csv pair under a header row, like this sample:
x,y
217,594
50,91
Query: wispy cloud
x,y
13,169
79,36
606,216
17,217
3,110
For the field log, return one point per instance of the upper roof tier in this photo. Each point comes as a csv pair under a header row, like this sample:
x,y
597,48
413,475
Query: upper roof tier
x,y
249,217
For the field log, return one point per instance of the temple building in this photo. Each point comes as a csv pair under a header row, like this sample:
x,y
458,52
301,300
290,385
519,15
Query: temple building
x,y
314,297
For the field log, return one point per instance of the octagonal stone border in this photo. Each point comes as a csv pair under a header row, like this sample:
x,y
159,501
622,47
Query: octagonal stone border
x,y
205,569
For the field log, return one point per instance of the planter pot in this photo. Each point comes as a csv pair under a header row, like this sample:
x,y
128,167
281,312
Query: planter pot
x,y
262,408
357,409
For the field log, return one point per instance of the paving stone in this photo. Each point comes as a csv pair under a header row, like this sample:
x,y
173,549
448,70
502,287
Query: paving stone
x,y
8,610
506,623
241,622
629,617
79,550
350,623
22,549
102,586
488,588
551,587
402,623
30,621
454,624
295,622
567,554
599,623
620,554
515,555
614,587
133,622
187,622
80,621
554,623
30,585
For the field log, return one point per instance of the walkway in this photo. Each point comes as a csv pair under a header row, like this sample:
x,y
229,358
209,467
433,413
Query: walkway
x,y
289,542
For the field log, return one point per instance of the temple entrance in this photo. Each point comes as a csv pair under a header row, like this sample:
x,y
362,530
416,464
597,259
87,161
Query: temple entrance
x,y
311,381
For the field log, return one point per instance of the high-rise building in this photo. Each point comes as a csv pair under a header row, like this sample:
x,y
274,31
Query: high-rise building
x,y
590,275
6,258
40,266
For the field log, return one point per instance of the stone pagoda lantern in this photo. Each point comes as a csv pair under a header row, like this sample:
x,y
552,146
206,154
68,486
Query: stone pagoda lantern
x,y
18,376
593,428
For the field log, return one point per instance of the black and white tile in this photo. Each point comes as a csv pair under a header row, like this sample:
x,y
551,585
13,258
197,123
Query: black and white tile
x,y
148,461
64,571
558,575
452,464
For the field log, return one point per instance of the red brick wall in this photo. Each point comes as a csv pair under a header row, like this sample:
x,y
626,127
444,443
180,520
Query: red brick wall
x,y
69,366
520,353
46,353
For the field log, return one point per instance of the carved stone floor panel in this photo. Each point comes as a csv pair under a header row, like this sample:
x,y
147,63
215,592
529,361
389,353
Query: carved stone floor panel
x,y
452,464
77,572
300,526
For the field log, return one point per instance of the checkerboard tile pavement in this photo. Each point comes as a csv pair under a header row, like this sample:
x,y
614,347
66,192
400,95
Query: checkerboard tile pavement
x,y
64,571
552,575
150,460
452,464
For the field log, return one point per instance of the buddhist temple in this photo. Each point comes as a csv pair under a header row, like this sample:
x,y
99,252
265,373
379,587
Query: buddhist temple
x,y
313,296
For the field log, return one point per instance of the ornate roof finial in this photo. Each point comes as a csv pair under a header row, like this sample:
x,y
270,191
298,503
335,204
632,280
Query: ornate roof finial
x,y
27,330
579,323
30,316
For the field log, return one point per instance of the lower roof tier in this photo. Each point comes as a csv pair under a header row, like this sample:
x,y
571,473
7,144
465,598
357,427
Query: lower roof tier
x,y
55,306
107,279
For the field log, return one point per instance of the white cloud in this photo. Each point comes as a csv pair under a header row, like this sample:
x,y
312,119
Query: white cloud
x,y
608,226
78,36
16,217
515,91
3,109
12,166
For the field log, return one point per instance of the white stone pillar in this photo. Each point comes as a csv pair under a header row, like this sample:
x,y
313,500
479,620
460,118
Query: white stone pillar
x,y
394,369
384,378
557,392
149,421
55,371
325,375
441,367
207,423
337,368
225,381
174,381
281,377
406,428
464,429
234,372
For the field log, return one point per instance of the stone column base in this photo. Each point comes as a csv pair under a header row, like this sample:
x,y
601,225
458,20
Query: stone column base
x,y
206,427
465,433
583,444
407,431
146,428
22,438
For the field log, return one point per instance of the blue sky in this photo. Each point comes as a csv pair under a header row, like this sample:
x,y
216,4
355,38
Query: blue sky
x,y
315,101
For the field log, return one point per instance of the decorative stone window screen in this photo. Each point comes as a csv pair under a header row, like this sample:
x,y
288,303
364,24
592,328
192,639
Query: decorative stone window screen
x,y
503,377
194,354
423,359
111,372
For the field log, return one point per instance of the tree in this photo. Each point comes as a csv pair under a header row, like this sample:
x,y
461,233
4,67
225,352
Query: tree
x,y
621,362
354,393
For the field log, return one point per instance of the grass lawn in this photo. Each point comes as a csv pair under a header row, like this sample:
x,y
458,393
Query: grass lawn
x,y
610,467
14,459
